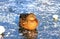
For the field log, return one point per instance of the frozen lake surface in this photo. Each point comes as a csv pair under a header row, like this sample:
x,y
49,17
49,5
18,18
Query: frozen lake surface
x,y
44,11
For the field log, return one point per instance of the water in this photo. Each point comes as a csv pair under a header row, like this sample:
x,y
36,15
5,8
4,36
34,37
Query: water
x,y
44,11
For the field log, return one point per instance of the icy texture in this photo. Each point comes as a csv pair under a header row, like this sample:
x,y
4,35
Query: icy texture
x,y
43,9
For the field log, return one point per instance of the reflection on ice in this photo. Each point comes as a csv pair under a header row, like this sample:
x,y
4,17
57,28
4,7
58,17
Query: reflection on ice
x,y
28,34
2,36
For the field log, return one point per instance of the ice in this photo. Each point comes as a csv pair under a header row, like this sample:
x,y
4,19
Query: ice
x,y
44,10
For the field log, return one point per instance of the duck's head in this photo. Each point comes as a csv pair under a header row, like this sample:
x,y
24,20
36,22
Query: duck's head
x,y
29,22
31,16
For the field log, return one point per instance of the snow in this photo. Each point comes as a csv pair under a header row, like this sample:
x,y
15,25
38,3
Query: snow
x,y
2,29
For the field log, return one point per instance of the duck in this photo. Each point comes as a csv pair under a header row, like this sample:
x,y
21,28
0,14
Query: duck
x,y
28,21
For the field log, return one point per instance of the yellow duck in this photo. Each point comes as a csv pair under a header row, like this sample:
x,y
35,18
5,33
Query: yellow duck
x,y
29,22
